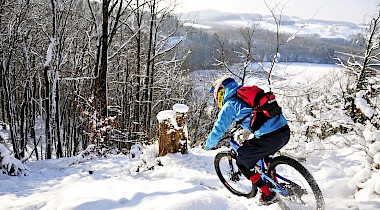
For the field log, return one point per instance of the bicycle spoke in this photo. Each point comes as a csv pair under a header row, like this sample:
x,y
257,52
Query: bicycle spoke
x,y
300,195
242,185
298,189
232,178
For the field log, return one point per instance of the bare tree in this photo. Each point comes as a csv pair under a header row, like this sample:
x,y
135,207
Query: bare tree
x,y
224,53
276,12
362,68
276,9
13,16
65,59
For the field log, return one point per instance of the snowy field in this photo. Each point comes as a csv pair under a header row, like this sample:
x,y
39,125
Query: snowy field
x,y
323,30
300,27
185,182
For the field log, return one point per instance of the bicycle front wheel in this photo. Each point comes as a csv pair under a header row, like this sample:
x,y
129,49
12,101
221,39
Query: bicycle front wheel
x,y
231,177
300,190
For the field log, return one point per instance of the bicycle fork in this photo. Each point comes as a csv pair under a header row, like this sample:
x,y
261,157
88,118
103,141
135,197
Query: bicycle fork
x,y
234,176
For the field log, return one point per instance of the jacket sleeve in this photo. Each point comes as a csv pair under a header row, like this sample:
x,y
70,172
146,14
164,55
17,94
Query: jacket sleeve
x,y
224,121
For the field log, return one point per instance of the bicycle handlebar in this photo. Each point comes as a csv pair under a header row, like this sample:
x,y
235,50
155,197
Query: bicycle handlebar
x,y
230,133
234,145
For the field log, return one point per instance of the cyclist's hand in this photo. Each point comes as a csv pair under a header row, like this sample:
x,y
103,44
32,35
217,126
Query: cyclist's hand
x,y
234,147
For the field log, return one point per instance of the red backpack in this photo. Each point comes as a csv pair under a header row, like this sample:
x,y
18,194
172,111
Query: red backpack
x,y
264,104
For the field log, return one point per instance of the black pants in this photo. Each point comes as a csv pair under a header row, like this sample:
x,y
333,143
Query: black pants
x,y
257,148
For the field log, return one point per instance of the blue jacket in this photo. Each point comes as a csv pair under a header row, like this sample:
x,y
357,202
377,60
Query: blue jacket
x,y
234,110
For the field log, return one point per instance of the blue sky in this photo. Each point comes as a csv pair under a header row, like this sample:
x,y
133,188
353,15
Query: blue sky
x,y
356,11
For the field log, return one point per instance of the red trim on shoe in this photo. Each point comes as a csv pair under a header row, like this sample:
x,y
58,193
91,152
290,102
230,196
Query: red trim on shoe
x,y
255,178
265,190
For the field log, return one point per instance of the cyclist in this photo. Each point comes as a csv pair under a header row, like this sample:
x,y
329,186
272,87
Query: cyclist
x,y
267,140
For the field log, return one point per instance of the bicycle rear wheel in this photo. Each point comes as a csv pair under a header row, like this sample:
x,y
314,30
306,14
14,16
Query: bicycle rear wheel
x,y
231,177
301,191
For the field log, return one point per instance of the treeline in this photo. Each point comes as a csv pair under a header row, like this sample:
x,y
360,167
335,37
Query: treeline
x,y
75,72
309,49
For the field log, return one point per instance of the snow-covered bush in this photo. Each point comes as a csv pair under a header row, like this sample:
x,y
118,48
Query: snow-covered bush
x,y
10,165
136,150
315,113
99,129
372,139
148,159
365,184
88,153
93,151
363,103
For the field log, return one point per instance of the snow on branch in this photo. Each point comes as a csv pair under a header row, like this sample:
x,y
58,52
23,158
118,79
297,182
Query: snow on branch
x,y
362,104
49,53
10,165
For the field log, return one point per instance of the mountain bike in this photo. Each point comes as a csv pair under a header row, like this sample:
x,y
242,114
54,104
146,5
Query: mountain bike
x,y
293,183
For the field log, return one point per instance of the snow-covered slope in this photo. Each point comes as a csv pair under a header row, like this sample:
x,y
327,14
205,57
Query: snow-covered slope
x,y
184,182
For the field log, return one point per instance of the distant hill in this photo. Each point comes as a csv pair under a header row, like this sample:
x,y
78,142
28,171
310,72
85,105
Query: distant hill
x,y
290,24
308,41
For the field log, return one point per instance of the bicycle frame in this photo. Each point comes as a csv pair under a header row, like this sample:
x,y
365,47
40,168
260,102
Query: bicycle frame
x,y
260,167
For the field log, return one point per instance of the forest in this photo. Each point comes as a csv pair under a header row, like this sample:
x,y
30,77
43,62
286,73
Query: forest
x,y
75,72
80,72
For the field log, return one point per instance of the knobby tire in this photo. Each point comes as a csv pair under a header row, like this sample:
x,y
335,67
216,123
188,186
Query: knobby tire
x,y
222,169
283,160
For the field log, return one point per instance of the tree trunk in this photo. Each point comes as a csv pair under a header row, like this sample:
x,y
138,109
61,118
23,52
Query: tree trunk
x,y
33,132
23,123
57,121
148,95
47,111
2,97
101,80
137,107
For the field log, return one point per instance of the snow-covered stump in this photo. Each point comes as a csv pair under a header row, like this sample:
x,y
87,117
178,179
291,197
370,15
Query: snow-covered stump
x,y
172,130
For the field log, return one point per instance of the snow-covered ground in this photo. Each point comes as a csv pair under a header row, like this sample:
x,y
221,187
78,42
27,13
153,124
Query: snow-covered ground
x,y
184,182
187,182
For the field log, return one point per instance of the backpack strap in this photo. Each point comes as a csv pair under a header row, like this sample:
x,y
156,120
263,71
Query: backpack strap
x,y
259,118
245,117
242,119
260,95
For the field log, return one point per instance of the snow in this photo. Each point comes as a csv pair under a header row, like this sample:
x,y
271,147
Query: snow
x,y
88,153
170,115
184,182
376,135
374,148
181,108
49,53
194,25
362,104
166,114
376,158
